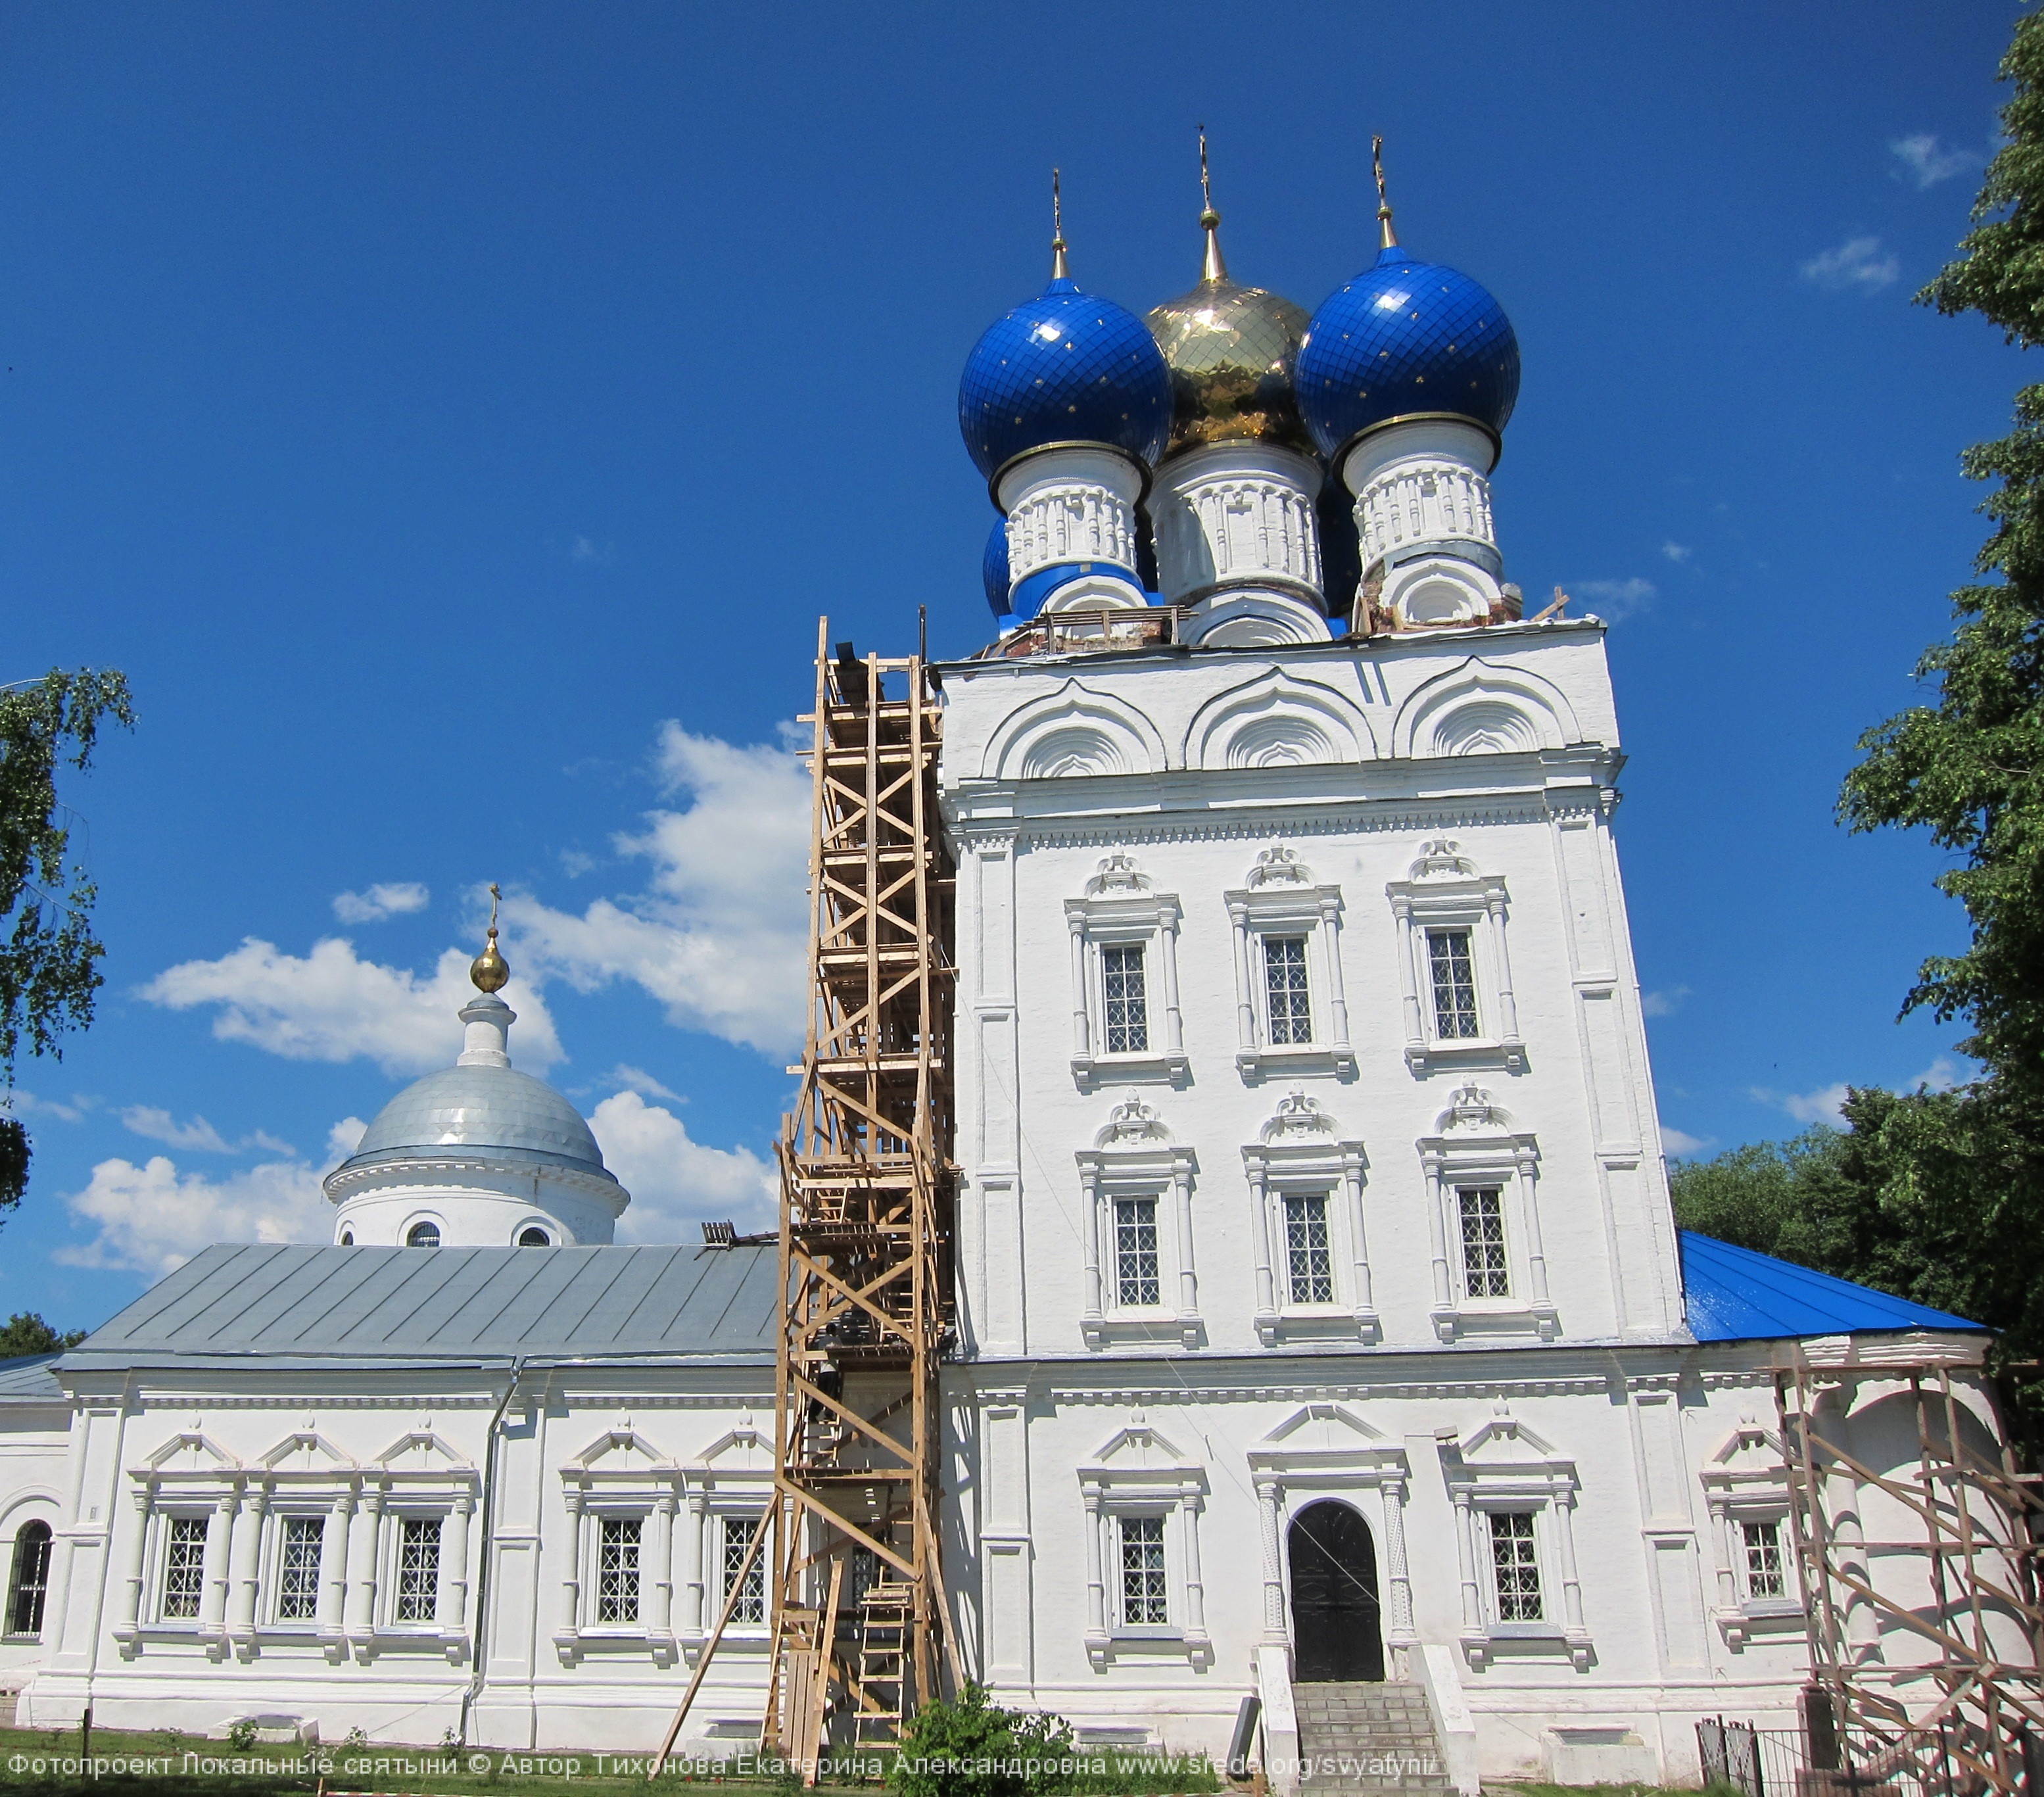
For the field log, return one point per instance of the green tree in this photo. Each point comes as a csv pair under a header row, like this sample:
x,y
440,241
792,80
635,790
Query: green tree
x,y
1970,768
26,1332
49,963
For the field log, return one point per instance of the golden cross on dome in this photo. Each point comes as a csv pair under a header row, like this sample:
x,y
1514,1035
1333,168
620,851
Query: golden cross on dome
x,y
1388,237
1058,270
1215,269
488,970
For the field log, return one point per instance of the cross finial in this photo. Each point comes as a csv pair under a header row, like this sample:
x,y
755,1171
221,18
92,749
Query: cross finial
x,y
1215,269
488,970
1388,238
494,896
1059,270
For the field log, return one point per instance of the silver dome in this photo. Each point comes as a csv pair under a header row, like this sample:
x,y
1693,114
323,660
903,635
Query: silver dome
x,y
493,1112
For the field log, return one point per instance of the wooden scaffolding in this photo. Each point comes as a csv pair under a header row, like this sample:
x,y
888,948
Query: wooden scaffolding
x,y
858,1614
1976,1534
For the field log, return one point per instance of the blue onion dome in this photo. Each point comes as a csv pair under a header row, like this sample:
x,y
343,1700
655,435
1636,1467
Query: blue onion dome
x,y
1231,351
993,568
1065,367
1405,337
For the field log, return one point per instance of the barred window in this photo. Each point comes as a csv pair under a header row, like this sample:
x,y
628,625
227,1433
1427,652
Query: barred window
x,y
1136,1275
1144,1600
1285,986
1127,1011
1513,1565
30,1580
1763,1561
617,1569
751,1605
184,1566
1308,1265
418,1568
1484,1273
298,1569
1455,984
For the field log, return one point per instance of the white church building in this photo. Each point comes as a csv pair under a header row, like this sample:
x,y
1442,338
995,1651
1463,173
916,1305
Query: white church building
x,y
1322,1319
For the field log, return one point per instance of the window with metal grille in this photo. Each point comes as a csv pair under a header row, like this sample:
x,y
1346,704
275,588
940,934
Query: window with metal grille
x,y
1135,1276
1285,986
298,1569
184,1566
29,1582
1484,1272
617,1569
1763,1561
1514,1566
418,1568
751,1605
1128,1019
1309,1266
1144,1603
1455,984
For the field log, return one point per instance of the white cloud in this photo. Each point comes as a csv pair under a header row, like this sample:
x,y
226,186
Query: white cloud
x,y
676,1183
343,1139
1927,160
575,863
1680,1142
637,1079
333,1006
1664,1003
26,1104
588,549
153,1218
160,1127
390,899
1858,263
1676,552
1615,599
1941,1075
1826,1104
720,936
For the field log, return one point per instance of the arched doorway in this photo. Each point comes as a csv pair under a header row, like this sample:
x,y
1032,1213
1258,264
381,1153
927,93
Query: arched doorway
x,y
1336,1634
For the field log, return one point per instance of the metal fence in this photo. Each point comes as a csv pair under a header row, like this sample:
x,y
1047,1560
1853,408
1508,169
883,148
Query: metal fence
x,y
1852,1762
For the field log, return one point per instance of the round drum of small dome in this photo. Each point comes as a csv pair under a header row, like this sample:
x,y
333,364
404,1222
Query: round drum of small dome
x,y
1405,337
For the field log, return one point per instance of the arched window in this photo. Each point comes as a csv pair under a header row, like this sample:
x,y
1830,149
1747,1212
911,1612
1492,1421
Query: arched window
x,y
29,1582
347,1238
423,1235
535,1237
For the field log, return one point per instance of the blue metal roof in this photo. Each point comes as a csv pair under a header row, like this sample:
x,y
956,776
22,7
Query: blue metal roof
x,y
1734,1295
374,1306
30,1378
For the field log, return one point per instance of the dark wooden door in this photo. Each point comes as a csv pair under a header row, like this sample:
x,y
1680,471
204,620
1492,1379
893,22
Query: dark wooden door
x,y
1336,1633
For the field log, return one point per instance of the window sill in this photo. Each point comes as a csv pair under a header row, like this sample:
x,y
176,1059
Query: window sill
x,y
1259,1060
1143,1327
1319,1322
1193,1645
1488,1318
1480,1646
1773,1616
1508,1052
1168,1068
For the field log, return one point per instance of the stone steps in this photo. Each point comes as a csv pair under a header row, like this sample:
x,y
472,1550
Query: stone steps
x,y
1367,1737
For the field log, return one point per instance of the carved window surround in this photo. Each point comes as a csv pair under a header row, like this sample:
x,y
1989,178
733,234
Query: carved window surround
x,y
1746,1480
1300,1153
1503,1465
1477,1144
1140,1473
1119,907
620,1474
1445,891
735,1478
1280,898
1134,1155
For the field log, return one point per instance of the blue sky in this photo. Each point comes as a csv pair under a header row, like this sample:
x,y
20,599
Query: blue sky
x,y
453,420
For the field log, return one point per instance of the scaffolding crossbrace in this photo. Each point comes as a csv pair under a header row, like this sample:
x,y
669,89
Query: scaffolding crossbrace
x,y
1978,1535
858,1619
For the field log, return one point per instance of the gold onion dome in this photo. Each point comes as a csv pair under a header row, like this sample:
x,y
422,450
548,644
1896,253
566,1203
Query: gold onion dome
x,y
489,970
1231,351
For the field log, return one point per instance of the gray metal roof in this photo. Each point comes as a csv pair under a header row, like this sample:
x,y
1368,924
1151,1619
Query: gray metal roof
x,y
30,1380
374,1305
492,1111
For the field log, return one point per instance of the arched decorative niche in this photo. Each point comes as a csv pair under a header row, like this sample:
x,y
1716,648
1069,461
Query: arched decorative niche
x,y
1479,708
1273,719
1075,731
